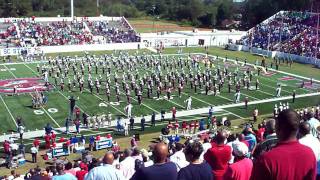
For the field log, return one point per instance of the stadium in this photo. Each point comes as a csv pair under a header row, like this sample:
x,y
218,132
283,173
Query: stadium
x,y
148,90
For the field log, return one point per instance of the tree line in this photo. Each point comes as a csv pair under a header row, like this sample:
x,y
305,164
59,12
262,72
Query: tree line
x,y
202,13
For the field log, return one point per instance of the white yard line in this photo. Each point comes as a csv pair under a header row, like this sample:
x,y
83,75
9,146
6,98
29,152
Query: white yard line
x,y
34,72
10,72
68,99
13,119
266,93
176,104
30,95
107,103
51,117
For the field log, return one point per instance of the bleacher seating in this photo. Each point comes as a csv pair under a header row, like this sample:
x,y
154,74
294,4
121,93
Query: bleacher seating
x,y
289,32
30,32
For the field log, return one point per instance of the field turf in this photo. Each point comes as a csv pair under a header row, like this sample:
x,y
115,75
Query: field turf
x,y
20,106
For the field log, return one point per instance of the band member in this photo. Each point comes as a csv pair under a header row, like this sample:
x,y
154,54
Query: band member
x,y
179,89
168,93
257,84
158,92
69,85
139,97
61,84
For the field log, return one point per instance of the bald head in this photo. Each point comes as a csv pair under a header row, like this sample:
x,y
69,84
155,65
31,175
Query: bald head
x,y
304,128
221,137
241,137
287,125
108,158
160,153
271,126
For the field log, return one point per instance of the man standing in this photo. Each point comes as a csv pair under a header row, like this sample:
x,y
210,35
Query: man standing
x,y
188,101
308,140
128,109
293,96
196,169
153,119
21,131
174,111
283,161
179,158
242,166
218,156
142,123
161,169
246,100
278,91
255,114
34,152
131,123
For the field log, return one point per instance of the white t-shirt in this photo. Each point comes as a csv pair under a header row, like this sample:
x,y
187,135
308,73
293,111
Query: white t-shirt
x,y
179,159
313,143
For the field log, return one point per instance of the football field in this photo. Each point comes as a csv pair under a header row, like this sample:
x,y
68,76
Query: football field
x,y
26,75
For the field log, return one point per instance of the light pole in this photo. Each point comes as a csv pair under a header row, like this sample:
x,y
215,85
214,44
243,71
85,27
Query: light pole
x,y
153,9
98,4
71,4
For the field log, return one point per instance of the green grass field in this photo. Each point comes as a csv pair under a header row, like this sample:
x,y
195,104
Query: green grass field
x,y
15,106
19,106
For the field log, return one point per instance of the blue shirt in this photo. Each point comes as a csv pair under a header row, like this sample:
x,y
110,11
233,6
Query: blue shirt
x,y
196,172
66,176
91,140
105,172
251,139
166,171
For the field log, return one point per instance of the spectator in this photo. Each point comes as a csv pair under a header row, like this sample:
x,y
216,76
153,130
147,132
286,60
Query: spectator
x,y
48,129
250,138
69,169
308,140
146,159
314,124
219,155
197,169
34,152
206,145
62,175
84,170
22,149
36,143
242,166
127,166
107,171
270,140
179,158
161,169
242,139
289,159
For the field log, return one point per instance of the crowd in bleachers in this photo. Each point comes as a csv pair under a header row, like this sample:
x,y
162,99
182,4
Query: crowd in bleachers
x,y
29,32
284,147
114,31
8,34
54,33
289,32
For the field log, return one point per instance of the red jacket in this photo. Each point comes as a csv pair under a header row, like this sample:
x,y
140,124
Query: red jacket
x,y
218,157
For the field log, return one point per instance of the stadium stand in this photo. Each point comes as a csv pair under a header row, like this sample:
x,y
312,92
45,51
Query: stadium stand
x,y
286,31
29,32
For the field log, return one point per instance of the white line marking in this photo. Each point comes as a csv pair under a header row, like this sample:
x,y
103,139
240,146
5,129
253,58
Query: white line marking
x,y
13,119
52,84
30,95
51,117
